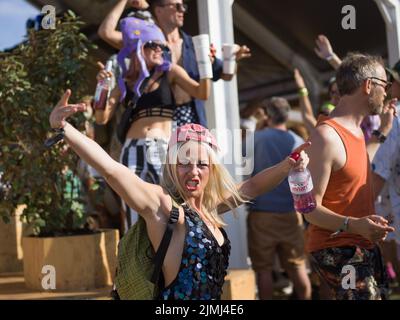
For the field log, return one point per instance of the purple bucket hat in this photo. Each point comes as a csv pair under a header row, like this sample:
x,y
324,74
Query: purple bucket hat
x,y
135,33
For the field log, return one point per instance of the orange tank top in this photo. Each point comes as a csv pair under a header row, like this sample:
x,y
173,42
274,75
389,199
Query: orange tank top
x,y
349,193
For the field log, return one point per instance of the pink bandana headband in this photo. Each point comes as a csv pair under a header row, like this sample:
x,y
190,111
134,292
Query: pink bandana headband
x,y
193,132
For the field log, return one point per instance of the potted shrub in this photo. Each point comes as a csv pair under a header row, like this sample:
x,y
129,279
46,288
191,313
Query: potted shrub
x,y
34,76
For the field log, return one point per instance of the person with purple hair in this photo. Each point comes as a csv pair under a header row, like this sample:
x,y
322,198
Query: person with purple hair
x,y
144,87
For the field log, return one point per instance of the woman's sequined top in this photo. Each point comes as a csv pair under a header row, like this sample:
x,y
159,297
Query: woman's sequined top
x,y
203,265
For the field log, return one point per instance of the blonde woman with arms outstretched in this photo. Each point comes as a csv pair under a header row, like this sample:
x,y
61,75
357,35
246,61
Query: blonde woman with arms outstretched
x,y
201,186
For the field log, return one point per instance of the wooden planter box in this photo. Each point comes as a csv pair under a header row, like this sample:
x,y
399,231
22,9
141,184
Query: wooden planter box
x,y
11,243
81,262
240,284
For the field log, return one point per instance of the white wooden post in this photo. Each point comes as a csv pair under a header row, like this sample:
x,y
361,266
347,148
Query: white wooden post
x,y
390,10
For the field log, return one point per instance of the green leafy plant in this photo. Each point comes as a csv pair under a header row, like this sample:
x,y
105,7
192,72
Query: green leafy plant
x,y
33,78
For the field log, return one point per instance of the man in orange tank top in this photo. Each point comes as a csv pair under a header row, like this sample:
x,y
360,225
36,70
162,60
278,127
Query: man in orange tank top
x,y
344,229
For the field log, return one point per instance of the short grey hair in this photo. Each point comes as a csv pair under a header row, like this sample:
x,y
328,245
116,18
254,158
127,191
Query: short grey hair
x,y
353,71
277,110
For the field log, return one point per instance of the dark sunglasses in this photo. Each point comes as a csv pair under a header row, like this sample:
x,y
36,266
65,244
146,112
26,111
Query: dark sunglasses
x,y
386,86
181,7
154,45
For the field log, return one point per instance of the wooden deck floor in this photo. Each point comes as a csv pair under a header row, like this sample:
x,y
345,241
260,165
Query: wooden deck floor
x,y
12,287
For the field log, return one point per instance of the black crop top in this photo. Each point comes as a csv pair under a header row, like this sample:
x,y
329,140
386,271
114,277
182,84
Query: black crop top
x,y
157,103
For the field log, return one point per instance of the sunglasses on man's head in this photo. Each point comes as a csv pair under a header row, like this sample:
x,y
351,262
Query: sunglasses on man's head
x,y
154,45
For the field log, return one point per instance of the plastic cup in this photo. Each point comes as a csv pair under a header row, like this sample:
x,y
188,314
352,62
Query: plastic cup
x,y
201,40
202,49
229,55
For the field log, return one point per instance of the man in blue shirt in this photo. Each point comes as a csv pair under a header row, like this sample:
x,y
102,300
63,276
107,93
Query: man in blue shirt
x,y
273,225
169,15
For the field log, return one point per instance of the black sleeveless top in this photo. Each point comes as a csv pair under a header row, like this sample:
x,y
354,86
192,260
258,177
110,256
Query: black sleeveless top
x,y
203,266
157,103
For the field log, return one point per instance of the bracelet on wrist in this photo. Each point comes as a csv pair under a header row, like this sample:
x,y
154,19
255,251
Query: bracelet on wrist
x,y
330,57
57,137
58,130
303,92
343,228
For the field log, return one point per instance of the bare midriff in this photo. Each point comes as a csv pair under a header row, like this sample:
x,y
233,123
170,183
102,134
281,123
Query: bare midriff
x,y
150,127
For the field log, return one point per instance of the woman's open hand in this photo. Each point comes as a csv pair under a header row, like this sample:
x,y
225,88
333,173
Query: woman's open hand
x,y
63,110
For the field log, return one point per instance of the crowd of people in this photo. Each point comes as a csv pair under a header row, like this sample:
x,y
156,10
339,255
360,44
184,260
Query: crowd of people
x,y
169,161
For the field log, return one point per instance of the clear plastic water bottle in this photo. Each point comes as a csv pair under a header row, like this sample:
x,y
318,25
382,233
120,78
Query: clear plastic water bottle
x,y
103,90
301,186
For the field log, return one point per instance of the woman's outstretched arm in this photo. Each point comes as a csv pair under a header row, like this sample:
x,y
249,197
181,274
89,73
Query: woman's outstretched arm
x,y
141,196
269,178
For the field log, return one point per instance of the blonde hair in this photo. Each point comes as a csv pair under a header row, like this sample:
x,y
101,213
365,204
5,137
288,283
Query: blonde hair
x,y
219,188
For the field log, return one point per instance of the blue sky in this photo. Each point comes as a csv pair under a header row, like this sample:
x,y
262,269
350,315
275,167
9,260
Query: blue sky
x,y
13,16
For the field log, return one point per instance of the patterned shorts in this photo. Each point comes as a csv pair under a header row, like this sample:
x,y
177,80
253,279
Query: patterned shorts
x,y
352,273
145,158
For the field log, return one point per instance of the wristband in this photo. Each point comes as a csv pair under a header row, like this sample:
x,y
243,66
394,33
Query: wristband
x,y
343,228
58,130
330,57
303,92
59,135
